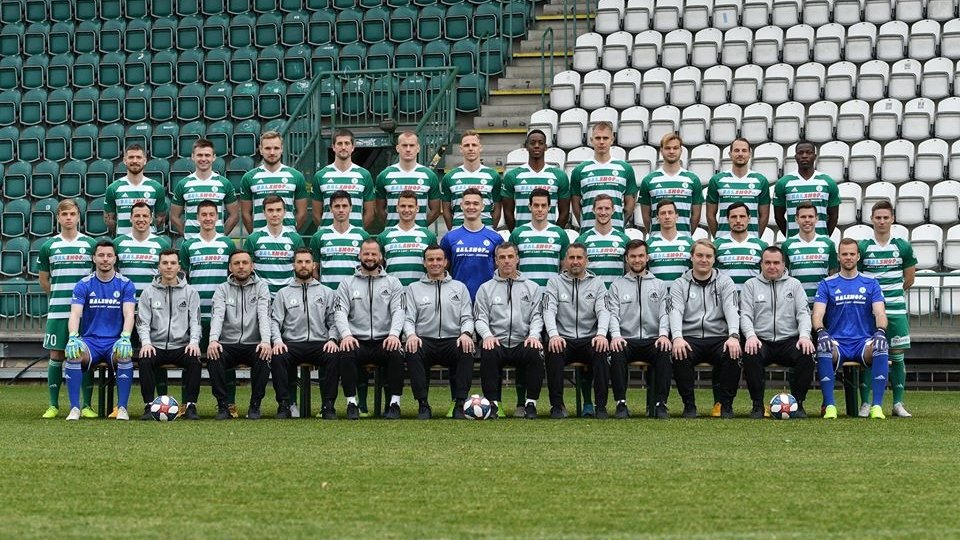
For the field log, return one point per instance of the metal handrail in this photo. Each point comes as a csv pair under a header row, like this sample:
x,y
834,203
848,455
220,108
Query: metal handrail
x,y
544,55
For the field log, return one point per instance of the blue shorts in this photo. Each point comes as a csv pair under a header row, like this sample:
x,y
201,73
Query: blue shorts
x,y
852,350
100,349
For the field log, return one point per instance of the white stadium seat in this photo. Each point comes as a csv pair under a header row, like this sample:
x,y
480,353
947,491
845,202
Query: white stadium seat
x,y
655,87
572,128
885,119
767,46
918,119
747,81
704,161
769,236
726,14
565,89
909,10
516,158
953,170
808,82
756,13
904,79
666,15
926,241
853,120
618,152
897,161
594,89
572,235
950,286
706,48
737,46
790,160
685,86
872,83
951,256
878,11
663,120
945,203
877,191
864,162
768,160
616,51
633,233
937,79
924,40
941,10
861,38
716,85
892,41
931,162
950,40
755,125
604,114
851,196
694,121
786,12
858,232
821,121
633,126
913,198
828,43
643,159
609,16
625,88
817,12
638,16
840,82
922,297
646,50
836,236
696,14
577,156
788,122
832,159
676,48
586,52
545,120
725,162
725,124
700,234
555,157
946,124
777,84
847,12
798,44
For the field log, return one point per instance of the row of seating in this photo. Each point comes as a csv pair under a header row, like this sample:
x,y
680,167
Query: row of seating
x,y
19,218
694,15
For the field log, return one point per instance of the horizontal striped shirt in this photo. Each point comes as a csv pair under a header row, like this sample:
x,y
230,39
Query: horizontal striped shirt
x,y
458,180
207,265
726,188
393,181
669,259
591,178
811,261
139,260
356,181
605,253
67,262
273,256
403,252
819,189
739,260
518,183
337,253
121,195
191,191
684,189
286,183
886,263
541,251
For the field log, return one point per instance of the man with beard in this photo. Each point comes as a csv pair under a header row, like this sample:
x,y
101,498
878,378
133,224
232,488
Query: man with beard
x,y
122,194
671,181
739,184
810,185
344,175
273,178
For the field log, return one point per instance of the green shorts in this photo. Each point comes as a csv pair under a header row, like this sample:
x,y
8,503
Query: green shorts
x,y
898,332
56,334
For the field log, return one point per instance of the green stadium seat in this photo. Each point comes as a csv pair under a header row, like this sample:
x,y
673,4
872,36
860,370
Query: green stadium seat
x,y
266,32
348,26
296,91
243,103
516,15
56,143
33,258
163,33
8,144
189,66
493,51
411,99
11,11
293,31
470,91
344,4
11,39
369,4
136,68
72,175
464,56
353,57
93,221
264,6
329,95
237,168
162,8
137,37
324,59
43,217
296,63
9,106
215,31
111,69
398,3
46,175
430,23
163,142
403,23
213,7
86,37
30,144
246,136
110,105
84,107
220,134
163,103
269,64
271,101
110,142
83,142
190,102
189,133
458,25
185,8
60,10
60,39
236,7
35,38
424,3
16,218
355,96
86,70
34,72
216,66
141,134
188,33
13,258
17,179
163,67
35,11
486,20
380,55
11,297
111,36
291,5
181,168
241,31
243,65
216,101
10,68
436,53
274,125
320,29
383,96
409,55
158,169
111,9
136,104
375,23
99,176
136,9
59,70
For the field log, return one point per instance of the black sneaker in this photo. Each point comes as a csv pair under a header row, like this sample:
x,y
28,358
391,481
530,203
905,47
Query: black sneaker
x,y
660,411
622,410
494,410
393,412
602,414
328,413
146,413
424,412
689,410
556,413
458,410
253,412
353,411
283,411
530,411
757,411
191,413
800,412
726,411
223,413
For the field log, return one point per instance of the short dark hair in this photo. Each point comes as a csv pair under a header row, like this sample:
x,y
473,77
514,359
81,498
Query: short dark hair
x,y
135,147
532,132
343,132
105,243
805,205
239,252
208,202
170,251
636,243
505,245
471,191
577,245
808,143
434,247
774,249
849,241
203,143
603,197
743,140
141,204
882,204
408,194
666,202
300,250
340,194
273,199
734,206
539,192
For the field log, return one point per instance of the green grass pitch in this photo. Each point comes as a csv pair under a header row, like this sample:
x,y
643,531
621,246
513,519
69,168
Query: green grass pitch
x,y
638,478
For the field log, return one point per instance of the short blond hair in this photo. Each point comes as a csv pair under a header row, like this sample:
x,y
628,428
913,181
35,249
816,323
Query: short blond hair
x,y
470,133
602,125
672,136
705,243
67,204
270,135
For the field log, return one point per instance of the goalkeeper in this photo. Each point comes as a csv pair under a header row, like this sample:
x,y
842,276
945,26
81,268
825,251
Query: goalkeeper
x,y
101,320
850,323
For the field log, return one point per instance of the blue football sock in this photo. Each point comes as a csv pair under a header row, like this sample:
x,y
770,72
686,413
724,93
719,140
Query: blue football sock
x,y
74,375
124,382
825,373
879,372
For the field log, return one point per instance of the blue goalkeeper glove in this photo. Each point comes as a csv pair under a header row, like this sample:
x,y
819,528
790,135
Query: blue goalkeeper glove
x,y
122,348
74,347
880,344
824,342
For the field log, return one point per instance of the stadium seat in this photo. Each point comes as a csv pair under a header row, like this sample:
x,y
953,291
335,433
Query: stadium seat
x,y
941,10
877,191
271,101
296,91
677,46
667,15
163,33
647,46
141,134
861,39
16,180
832,159
858,232
663,120
94,224
403,21
864,162
945,203
715,86
30,143
904,79
99,176
951,260
725,124
918,119
459,22
15,218
913,199
236,169
33,261
33,107
624,89
564,91
840,82
924,40
246,136
828,43
136,104
950,40
436,53
821,122
937,78
45,177
798,44
788,122
110,142
8,141
609,14
931,160
633,126
886,119
72,175
755,125
189,133
594,89
10,106
56,143
213,35
516,158
83,142
43,217
463,56
704,160
158,169
685,86
616,51
430,22
110,105
269,64
320,29
266,31
946,124
348,26
10,68
891,41
572,128
189,30
694,121
574,157
655,87
777,84
586,52
638,16
853,121
220,134
896,164
13,257
922,297
851,195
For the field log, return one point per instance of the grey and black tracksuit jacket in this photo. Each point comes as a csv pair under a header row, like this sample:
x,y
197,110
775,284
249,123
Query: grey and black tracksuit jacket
x,y
703,310
508,309
638,307
168,316
575,308
241,312
369,307
304,312
774,310
437,309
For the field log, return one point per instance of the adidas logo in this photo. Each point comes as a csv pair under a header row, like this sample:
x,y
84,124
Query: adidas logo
x,y
825,379
879,378
123,376
93,294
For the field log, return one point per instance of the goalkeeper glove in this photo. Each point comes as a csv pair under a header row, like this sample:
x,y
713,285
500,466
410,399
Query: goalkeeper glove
x,y
122,348
824,342
74,347
880,344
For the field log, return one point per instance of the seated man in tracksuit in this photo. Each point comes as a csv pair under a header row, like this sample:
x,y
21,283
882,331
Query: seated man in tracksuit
x,y
576,319
304,332
705,325
439,330
369,318
775,320
240,334
168,323
508,319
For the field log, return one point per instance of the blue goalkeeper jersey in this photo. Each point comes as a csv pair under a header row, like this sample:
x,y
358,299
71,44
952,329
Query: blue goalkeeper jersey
x,y
102,303
471,255
849,304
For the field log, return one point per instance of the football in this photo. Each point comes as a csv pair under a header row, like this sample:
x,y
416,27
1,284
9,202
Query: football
x,y
783,406
164,409
476,407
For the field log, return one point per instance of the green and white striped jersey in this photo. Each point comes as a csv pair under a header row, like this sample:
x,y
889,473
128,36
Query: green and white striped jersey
x,y
356,181
518,183
886,263
403,252
287,183
605,253
338,254
811,261
67,261
459,179
669,259
121,195
191,191
139,260
739,260
393,180
684,189
820,189
726,188
541,251
591,178
273,256
207,265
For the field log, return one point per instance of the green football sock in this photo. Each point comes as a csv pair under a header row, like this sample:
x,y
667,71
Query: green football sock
x,y
86,385
898,377
54,381
231,386
865,384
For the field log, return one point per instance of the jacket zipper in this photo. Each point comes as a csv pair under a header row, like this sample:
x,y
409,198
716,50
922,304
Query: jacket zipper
x,y
773,285
439,312
576,306
640,302
510,303
243,314
703,316
370,295
169,316
306,309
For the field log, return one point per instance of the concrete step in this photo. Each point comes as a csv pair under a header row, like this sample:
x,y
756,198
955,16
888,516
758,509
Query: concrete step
x,y
520,84
494,108
559,61
502,121
532,72
505,97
